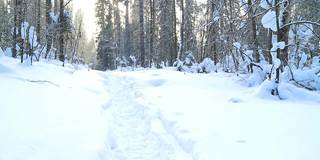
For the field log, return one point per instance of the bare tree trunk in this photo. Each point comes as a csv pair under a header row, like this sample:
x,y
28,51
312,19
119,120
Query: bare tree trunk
x,y
141,26
269,46
19,36
127,43
48,27
56,30
254,31
61,33
278,39
15,34
283,33
117,26
152,24
182,30
39,21
174,52
56,7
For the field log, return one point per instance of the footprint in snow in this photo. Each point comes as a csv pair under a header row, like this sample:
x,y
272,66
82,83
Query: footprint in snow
x,y
157,82
235,100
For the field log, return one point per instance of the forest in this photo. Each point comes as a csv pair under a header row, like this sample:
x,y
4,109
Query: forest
x,y
271,37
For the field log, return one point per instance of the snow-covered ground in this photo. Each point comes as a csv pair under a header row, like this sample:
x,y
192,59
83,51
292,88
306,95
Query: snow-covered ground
x,y
48,112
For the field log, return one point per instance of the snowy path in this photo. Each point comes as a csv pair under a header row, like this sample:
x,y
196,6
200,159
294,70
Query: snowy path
x,y
135,131
215,116
52,113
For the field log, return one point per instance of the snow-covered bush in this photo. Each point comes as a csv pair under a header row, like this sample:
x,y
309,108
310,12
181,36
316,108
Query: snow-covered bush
x,y
305,78
258,76
208,66
188,65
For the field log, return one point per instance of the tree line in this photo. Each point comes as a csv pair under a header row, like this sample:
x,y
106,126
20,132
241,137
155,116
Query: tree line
x,y
236,35
272,37
35,29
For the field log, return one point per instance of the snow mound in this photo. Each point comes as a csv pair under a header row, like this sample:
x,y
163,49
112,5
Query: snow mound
x,y
289,91
269,20
265,90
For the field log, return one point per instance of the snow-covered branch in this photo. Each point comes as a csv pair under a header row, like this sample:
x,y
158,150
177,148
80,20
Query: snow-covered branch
x,y
301,22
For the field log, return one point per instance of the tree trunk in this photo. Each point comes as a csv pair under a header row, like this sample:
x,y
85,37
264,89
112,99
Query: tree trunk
x,y
48,27
141,26
15,34
117,24
269,45
174,52
152,24
283,33
127,41
253,32
20,20
182,30
39,21
278,39
61,33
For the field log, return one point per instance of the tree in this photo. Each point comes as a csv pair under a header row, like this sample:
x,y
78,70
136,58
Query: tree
x,y
188,38
141,27
48,27
38,11
5,23
61,31
254,40
127,34
151,30
167,33
105,48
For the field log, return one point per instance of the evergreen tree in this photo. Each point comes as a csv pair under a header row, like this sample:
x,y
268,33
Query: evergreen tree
x,y
106,45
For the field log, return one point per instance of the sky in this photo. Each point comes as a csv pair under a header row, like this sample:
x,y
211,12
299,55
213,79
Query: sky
x,y
88,7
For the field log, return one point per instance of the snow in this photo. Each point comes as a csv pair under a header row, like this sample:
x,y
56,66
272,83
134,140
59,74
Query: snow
x,y
237,45
214,117
278,45
269,20
266,4
50,112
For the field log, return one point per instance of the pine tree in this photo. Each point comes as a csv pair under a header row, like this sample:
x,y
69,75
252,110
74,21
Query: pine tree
x,y
105,48
167,33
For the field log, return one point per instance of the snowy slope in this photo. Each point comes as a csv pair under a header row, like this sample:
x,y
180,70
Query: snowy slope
x,y
49,112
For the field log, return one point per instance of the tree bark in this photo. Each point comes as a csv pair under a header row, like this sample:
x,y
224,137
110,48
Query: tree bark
x,y
152,24
141,26
61,33
174,52
283,32
15,34
253,31
182,30
39,21
48,27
